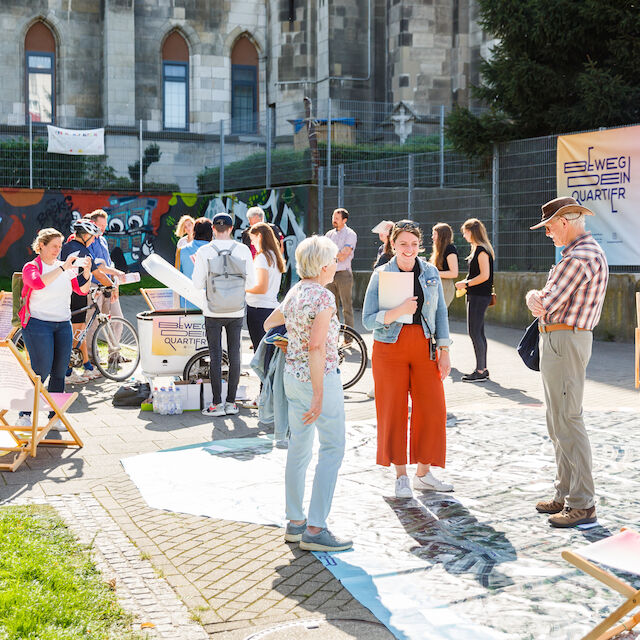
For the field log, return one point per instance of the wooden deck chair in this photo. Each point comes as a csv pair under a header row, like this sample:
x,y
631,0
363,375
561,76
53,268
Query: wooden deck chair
x,y
22,390
620,551
637,340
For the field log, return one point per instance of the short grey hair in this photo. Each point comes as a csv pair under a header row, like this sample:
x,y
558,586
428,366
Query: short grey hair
x,y
255,212
314,253
576,220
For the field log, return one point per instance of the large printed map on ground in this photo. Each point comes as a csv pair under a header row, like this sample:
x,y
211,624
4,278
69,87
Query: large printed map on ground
x,y
478,563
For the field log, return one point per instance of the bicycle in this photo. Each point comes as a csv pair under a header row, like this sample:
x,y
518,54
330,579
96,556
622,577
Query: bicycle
x,y
352,359
115,345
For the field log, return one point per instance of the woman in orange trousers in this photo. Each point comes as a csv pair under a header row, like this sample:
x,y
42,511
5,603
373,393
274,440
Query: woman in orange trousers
x,y
410,357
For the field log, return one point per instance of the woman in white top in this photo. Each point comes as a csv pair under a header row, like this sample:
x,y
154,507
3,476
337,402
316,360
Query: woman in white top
x,y
46,313
269,266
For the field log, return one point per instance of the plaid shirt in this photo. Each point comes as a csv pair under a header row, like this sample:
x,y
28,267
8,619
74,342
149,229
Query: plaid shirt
x,y
575,289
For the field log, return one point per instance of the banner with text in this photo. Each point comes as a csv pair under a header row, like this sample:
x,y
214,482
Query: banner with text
x,y
597,169
75,142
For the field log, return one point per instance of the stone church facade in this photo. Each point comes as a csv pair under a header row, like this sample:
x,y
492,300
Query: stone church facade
x,y
179,66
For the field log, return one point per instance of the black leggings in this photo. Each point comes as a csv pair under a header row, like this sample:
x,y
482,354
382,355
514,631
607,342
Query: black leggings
x,y
476,308
255,323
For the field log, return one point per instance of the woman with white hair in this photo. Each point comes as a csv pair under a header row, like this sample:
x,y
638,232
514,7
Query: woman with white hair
x,y
314,393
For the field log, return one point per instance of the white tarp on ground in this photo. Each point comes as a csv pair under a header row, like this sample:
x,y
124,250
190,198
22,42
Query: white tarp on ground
x,y
478,563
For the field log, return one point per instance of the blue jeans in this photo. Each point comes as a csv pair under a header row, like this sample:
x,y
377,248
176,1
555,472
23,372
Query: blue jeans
x,y
49,347
233,328
330,426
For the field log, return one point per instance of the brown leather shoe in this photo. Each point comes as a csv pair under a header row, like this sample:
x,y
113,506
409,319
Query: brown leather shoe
x,y
569,517
549,506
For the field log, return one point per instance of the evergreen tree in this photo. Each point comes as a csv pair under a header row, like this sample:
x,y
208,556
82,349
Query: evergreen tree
x,y
558,66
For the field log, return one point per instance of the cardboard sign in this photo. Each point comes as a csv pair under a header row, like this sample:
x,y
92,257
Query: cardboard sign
x,y
6,313
161,299
179,335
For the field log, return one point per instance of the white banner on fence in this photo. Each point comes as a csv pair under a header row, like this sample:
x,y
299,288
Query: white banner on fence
x,y
598,170
76,142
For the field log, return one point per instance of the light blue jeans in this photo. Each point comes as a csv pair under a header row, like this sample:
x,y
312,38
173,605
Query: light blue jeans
x,y
330,427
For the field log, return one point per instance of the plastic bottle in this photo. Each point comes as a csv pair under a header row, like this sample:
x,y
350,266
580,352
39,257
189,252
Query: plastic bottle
x,y
171,408
177,398
156,400
163,401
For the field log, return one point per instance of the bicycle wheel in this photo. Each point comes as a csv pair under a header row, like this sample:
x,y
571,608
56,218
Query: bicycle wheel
x,y
197,367
352,356
18,340
116,349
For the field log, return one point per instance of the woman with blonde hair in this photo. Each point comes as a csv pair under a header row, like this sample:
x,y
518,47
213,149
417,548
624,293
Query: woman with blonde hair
x,y
46,313
269,265
314,394
184,231
479,286
444,256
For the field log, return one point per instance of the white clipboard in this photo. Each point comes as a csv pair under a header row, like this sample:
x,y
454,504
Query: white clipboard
x,y
394,287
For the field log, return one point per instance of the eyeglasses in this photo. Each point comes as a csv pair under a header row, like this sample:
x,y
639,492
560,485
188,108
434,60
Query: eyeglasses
x,y
406,224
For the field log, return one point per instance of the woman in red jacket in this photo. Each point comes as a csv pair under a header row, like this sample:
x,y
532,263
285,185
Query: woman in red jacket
x,y
46,313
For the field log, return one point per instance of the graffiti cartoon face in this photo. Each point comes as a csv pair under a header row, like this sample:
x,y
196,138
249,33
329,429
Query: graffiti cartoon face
x,y
129,227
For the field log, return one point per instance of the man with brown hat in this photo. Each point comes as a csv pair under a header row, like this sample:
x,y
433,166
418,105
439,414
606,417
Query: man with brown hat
x,y
568,308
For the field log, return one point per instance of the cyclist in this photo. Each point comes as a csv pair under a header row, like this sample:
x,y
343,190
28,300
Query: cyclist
x,y
45,316
85,232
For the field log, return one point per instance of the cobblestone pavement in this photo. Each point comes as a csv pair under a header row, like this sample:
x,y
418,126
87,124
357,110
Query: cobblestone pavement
x,y
239,579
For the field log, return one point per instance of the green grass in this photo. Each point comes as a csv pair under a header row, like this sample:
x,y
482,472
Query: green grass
x,y
49,587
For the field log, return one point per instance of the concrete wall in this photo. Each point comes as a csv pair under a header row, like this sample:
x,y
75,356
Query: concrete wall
x,y
618,315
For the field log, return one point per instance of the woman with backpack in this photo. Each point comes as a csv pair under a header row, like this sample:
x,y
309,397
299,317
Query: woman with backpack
x,y
45,314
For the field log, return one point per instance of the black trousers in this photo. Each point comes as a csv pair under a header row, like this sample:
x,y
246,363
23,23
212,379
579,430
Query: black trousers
x,y
233,327
255,323
476,308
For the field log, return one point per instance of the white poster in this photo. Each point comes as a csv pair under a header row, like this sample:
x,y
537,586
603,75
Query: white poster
x,y
598,169
76,142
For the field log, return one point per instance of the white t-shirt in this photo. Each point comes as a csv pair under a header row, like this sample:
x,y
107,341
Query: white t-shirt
x,y
201,269
53,303
268,300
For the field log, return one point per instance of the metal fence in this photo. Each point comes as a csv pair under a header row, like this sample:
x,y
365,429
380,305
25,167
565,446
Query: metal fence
x,y
260,150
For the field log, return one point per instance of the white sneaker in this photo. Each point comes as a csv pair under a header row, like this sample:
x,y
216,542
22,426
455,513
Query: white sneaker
x,y
231,408
76,378
403,488
58,425
23,421
429,482
214,410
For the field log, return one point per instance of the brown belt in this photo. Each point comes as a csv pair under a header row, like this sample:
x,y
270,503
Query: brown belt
x,y
548,328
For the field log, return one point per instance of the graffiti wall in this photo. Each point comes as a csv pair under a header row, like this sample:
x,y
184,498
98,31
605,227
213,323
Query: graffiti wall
x,y
138,225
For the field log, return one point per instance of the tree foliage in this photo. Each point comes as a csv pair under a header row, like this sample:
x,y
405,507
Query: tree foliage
x,y
558,66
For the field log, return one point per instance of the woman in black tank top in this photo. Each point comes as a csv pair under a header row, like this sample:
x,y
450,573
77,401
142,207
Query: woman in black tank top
x,y
478,285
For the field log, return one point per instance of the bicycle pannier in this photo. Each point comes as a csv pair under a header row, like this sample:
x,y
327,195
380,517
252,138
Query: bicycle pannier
x,y
226,282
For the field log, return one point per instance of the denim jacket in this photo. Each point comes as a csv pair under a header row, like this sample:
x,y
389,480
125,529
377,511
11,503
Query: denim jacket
x,y
434,308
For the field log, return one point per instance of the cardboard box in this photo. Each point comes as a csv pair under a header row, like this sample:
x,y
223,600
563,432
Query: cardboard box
x,y
189,394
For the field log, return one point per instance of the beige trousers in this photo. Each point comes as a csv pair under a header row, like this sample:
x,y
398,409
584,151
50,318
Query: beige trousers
x,y
563,363
342,289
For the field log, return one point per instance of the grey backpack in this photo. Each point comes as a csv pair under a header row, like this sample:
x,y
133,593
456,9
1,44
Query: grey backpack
x,y
226,281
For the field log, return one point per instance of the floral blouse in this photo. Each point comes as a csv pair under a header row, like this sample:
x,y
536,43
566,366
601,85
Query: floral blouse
x,y
300,307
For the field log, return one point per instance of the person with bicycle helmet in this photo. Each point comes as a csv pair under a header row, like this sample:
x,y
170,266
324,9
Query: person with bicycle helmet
x,y
45,315
84,233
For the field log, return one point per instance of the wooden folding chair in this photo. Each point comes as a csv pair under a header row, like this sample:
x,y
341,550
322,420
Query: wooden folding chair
x,y
637,340
620,551
22,390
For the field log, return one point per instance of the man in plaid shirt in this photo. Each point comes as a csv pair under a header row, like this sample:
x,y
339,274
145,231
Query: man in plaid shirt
x,y
568,308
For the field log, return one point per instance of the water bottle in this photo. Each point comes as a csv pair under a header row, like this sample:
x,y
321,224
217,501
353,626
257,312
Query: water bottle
x,y
163,401
156,400
177,398
171,403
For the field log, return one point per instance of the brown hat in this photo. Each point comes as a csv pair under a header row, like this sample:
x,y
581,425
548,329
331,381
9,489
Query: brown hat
x,y
558,207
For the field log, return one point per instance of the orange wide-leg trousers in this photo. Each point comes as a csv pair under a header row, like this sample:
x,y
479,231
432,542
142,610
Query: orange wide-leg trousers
x,y
400,369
